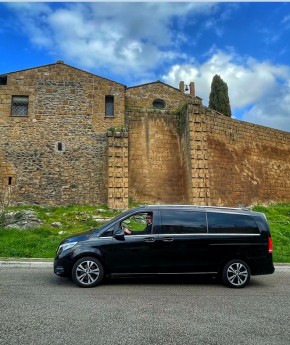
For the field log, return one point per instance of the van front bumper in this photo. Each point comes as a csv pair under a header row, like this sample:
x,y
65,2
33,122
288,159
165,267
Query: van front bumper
x,y
62,267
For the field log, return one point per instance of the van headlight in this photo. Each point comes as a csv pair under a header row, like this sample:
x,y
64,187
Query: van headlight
x,y
65,246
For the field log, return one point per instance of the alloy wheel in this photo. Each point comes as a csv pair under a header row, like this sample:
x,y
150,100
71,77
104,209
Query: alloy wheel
x,y
87,272
236,274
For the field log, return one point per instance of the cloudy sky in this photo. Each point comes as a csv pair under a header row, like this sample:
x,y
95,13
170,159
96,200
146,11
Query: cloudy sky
x,y
139,42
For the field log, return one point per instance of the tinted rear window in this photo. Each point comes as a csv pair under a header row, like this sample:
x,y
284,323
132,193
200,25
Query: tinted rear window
x,y
231,224
183,222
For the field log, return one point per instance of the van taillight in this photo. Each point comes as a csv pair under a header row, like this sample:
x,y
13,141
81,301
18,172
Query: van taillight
x,y
270,245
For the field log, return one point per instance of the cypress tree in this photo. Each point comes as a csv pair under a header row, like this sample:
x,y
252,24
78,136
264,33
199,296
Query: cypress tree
x,y
219,98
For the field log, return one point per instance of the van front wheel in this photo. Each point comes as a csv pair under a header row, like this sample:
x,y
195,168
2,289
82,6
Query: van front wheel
x,y
236,274
87,272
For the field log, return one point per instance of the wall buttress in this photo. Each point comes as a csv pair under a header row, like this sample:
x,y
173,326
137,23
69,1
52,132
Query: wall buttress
x,y
118,172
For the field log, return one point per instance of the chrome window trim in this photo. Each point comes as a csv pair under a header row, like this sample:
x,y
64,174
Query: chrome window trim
x,y
208,234
186,234
142,235
127,235
239,244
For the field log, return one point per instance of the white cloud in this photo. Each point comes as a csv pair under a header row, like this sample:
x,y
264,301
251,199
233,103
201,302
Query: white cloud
x,y
274,110
125,38
258,90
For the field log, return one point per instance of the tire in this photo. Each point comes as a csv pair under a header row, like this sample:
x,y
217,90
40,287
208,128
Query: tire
x,y
236,274
87,272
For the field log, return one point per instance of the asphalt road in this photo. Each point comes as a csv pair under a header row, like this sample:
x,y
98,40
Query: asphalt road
x,y
40,308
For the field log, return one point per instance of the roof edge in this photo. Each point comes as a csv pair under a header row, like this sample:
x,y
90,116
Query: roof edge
x,y
62,63
154,82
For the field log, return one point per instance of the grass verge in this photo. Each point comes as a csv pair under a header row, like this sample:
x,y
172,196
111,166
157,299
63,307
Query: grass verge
x,y
278,216
42,242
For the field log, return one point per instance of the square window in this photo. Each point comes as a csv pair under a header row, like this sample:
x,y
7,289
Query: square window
x,y
19,106
109,106
3,79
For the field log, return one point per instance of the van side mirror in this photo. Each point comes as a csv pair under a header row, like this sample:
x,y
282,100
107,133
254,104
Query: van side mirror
x,y
119,234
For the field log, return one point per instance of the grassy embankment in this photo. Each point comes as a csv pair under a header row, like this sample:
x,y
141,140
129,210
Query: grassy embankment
x,y
278,216
42,242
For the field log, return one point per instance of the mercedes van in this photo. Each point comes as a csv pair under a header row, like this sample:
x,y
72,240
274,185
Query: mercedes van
x,y
231,243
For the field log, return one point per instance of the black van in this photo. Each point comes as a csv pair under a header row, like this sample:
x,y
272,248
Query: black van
x,y
232,243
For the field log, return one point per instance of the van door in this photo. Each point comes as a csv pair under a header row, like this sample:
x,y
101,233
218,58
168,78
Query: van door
x,y
183,242
135,252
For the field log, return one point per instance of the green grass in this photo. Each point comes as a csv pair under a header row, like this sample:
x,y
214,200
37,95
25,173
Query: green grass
x,y
42,242
38,243
278,216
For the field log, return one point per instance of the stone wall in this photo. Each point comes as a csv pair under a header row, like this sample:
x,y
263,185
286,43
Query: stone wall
x,y
243,163
59,151
7,182
158,165
198,156
185,153
155,157
47,175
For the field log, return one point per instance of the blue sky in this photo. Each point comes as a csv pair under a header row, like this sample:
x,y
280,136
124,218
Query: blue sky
x,y
246,43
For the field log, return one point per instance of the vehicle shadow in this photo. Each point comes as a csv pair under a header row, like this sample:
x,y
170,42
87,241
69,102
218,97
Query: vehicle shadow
x,y
193,280
146,280
163,279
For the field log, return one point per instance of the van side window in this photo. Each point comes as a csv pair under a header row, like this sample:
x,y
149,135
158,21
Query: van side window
x,y
138,224
183,222
225,223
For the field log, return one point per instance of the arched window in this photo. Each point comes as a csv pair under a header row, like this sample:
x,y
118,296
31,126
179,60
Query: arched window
x,y
159,104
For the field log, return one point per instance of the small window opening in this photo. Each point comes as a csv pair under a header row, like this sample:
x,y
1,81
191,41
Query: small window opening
x,y
59,147
3,80
109,106
19,105
159,104
9,180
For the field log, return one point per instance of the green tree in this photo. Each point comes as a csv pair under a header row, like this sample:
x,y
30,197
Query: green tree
x,y
219,98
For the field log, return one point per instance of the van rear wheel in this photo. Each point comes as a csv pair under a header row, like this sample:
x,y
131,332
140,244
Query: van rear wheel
x,y
87,272
236,274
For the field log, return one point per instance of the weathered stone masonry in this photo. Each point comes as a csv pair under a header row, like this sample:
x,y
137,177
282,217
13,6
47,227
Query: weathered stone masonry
x,y
58,152
217,160
63,153
155,160
247,163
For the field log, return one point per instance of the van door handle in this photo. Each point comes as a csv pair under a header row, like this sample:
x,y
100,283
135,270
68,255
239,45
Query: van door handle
x,y
167,239
149,239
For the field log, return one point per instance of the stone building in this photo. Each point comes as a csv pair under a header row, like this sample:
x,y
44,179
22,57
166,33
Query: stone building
x,y
71,137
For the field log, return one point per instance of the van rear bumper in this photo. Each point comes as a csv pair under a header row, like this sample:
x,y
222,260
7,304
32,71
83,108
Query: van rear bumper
x,y
260,267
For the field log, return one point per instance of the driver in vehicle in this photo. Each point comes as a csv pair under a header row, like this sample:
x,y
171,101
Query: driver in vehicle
x,y
147,230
